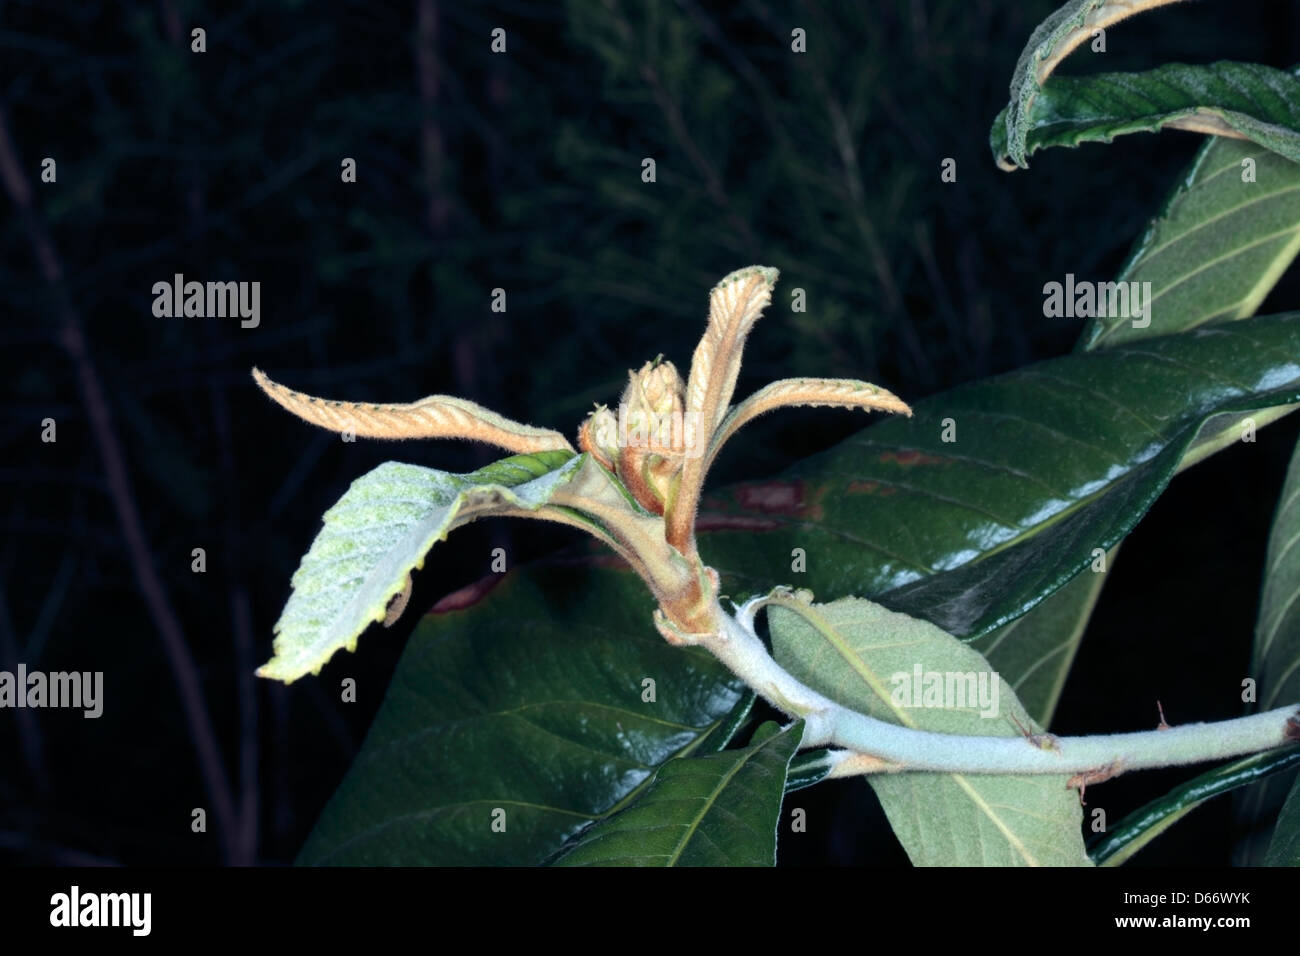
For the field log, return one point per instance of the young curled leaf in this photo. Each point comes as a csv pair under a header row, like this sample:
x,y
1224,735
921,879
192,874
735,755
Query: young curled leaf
x,y
438,416
734,306
1060,34
598,437
1235,100
790,392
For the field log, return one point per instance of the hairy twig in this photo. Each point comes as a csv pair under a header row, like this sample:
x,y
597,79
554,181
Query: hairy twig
x,y
876,745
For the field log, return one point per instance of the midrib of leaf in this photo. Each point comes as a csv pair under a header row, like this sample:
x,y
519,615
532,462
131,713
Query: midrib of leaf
x,y
1213,442
850,657
1224,159
1209,263
1153,251
708,805
631,795
628,798
998,822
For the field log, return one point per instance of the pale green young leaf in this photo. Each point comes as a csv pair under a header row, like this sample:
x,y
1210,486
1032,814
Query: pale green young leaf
x,y
380,531
868,658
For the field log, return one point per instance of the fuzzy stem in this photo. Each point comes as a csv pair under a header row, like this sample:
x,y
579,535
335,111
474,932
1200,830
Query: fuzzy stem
x,y
828,723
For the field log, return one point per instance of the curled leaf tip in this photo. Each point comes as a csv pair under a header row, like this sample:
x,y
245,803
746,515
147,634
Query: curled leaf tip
x,y
438,416
768,274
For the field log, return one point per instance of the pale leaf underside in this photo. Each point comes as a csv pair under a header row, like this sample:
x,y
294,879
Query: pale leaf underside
x,y
791,392
438,416
865,657
734,306
380,531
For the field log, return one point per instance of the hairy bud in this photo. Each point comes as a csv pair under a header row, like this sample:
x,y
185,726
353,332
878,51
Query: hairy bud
x,y
598,436
652,439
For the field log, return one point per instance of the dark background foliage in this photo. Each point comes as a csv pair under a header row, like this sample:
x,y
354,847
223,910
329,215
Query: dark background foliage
x,y
519,171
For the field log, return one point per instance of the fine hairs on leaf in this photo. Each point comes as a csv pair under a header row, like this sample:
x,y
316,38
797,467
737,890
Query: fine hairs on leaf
x,y
438,416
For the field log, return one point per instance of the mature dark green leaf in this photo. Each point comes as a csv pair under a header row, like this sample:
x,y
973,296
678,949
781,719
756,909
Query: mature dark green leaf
x,y
808,768
1034,652
1246,100
1142,826
954,532
1276,655
1219,246
869,658
725,732
1285,848
1277,632
530,703
718,809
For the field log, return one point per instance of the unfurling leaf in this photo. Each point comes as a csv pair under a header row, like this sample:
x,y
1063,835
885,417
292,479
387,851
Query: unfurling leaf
x,y
789,392
734,306
1053,40
438,416
1237,100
